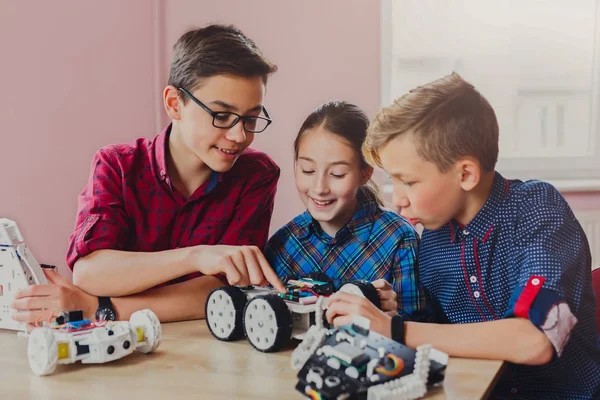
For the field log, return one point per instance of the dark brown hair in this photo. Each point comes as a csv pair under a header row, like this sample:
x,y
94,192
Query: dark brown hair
x,y
216,50
449,118
347,121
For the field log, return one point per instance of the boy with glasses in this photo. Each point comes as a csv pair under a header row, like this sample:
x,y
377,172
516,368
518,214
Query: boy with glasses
x,y
160,220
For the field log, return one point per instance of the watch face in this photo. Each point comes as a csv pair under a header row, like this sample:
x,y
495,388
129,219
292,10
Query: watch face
x,y
105,314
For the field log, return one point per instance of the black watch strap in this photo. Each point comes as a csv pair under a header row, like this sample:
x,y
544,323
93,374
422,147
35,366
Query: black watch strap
x,y
105,310
398,329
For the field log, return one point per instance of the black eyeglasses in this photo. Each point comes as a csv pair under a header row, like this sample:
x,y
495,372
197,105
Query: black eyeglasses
x,y
226,119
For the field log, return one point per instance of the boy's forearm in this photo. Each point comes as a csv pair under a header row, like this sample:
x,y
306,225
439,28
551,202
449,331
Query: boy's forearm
x,y
122,273
177,302
515,340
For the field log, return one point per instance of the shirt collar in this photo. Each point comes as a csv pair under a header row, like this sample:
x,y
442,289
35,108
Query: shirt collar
x,y
160,156
358,226
482,225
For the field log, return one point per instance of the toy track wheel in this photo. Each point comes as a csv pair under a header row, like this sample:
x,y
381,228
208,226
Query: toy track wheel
x,y
224,312
42,351
362,288
267,323
150,325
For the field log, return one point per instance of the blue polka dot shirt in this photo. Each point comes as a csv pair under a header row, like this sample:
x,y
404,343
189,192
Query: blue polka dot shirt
x,y
523,255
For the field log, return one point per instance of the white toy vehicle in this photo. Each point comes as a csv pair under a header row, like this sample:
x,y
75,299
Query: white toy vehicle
x,y
18,269
351,362
92,342
269,319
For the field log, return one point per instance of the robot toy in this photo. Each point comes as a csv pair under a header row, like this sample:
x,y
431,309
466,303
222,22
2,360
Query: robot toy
x,y
18,269
269,319
70,339
351,362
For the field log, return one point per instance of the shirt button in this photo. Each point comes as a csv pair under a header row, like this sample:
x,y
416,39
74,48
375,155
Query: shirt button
x,y
466,232
513,390
476,294
535,281
473,279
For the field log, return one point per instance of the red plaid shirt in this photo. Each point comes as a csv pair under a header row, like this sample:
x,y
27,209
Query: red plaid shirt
x,y
130,204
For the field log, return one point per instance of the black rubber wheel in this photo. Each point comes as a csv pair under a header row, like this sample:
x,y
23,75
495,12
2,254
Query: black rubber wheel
x,y
224,312
267,323
367,290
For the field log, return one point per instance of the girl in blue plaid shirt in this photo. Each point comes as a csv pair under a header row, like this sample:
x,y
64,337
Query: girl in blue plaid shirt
x,y
345,233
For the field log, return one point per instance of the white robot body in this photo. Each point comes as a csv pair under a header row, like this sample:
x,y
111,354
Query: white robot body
x,y
92,343
18,270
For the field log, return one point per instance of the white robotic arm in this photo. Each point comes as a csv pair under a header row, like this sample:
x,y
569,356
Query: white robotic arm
x,y
18,269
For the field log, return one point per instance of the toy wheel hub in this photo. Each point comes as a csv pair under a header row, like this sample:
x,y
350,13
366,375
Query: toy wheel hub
x,y
261,324
221,304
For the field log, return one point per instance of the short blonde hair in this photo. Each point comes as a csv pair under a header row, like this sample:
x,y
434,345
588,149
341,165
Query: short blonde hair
x,y
450,120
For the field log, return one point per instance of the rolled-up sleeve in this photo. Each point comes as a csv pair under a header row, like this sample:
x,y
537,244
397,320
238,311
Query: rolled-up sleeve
x,y
551,246
101,221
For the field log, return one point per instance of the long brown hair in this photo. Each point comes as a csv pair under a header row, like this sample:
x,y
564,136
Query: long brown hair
x,y
347,121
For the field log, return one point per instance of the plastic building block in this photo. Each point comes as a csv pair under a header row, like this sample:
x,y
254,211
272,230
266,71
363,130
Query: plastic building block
x,y
92,342
18,270
353,362
269,319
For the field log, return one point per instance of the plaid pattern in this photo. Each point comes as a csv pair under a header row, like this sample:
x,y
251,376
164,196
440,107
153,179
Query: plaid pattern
x,y
130,204
375,244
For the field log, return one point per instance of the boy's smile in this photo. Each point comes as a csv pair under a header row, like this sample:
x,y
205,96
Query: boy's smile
x,y
205,145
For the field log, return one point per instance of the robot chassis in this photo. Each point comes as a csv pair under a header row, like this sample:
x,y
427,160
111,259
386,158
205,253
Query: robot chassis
x,y
269,319
351,362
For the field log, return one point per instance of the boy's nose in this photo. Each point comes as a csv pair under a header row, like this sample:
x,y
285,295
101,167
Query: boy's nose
x,y
400,201
237,133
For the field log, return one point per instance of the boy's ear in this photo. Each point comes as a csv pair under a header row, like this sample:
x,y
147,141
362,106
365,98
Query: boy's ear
x,y
470,173
367,173
172,102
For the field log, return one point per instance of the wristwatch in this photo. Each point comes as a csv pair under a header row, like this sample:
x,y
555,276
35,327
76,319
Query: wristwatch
x,y
398,329
105,311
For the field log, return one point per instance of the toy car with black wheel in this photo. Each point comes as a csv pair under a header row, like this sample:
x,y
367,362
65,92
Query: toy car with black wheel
x,y
269,319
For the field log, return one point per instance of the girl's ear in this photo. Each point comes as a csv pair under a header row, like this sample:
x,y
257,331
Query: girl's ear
x,y
367,173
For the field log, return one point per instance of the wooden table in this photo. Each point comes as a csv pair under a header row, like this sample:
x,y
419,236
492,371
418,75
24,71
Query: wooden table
x,y
190,363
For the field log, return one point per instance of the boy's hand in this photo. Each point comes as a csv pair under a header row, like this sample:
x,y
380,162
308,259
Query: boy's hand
x,y
39,302
389,298
242,265
343,306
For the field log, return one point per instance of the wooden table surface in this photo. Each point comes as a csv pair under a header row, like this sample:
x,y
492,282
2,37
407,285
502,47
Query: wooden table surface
x,y
190,363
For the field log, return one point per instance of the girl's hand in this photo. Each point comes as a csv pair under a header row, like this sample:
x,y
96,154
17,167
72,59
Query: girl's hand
x,y
389,298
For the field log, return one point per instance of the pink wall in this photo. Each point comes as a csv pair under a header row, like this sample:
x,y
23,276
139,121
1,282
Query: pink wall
x,y
75,76
80,75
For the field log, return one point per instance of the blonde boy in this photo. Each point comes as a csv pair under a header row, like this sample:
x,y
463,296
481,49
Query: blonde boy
x,y
506,262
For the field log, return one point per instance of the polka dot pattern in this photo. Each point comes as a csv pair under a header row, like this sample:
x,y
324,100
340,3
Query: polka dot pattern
x,y
471,272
